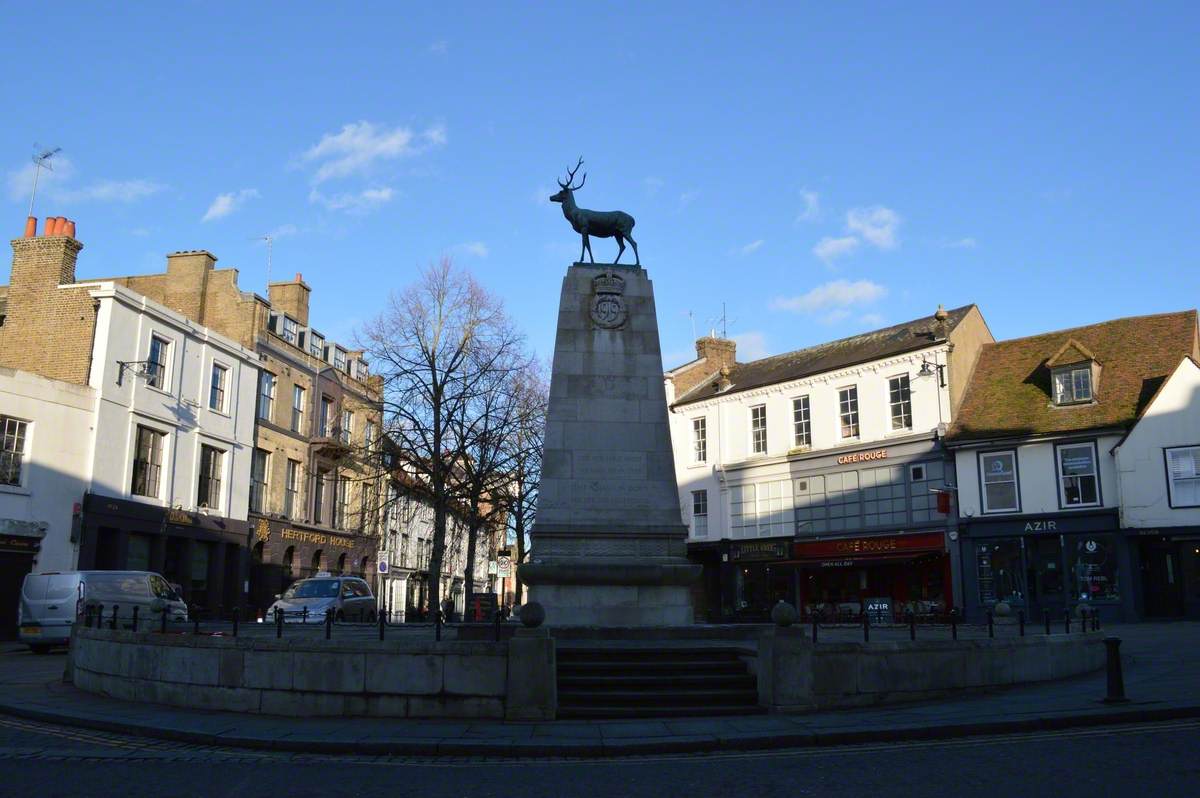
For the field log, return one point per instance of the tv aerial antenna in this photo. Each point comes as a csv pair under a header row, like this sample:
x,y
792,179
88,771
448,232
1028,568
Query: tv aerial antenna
x,y
41,161
270,239
723,320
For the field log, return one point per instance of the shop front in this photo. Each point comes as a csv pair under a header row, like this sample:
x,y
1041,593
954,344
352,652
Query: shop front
x,y
889,575
1047,564
283,551
204,556
17,555
1168,569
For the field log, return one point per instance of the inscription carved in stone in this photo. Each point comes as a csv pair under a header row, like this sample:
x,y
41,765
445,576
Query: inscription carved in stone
x,y
608,306
609,465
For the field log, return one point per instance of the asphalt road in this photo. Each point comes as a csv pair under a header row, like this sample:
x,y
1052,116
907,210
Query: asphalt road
x,y
1161,759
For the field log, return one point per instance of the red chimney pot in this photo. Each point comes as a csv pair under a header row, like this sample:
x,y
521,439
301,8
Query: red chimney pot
x,y
299,279
31,227
69,228
52,225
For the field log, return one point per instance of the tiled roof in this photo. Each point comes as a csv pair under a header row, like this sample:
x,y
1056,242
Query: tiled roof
x,y
1010,394
895,340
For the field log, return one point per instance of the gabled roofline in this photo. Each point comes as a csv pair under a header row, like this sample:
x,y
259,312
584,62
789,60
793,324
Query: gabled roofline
x,y
1153,398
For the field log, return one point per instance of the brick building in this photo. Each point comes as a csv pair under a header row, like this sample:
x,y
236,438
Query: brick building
x,y
309,479
165,462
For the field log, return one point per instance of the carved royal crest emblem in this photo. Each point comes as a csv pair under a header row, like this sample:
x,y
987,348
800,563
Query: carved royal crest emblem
x,y
262,530
608,306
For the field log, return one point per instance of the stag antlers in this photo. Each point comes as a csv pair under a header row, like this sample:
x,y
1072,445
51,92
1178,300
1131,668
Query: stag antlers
x,y
571,178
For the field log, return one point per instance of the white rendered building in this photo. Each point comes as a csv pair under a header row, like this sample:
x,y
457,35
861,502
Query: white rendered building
x,y
813,477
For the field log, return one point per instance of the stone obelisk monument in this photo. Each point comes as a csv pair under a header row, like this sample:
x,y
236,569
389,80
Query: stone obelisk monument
x,y
608,545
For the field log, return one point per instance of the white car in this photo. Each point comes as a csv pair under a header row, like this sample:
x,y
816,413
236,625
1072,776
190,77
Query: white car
x,y
52,601
349,597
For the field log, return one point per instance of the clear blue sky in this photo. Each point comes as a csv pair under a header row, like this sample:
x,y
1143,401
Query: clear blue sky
x,y
821,168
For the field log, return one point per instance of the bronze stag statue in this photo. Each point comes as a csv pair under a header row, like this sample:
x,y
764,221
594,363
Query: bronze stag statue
x,y
606,224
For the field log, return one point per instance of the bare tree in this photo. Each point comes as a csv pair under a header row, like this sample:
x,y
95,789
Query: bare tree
x,y
436,346
531,394
491,419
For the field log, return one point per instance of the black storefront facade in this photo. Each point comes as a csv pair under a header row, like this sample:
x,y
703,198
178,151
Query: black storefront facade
x,y
1166,562
1053,563
866,526
283,551
206,556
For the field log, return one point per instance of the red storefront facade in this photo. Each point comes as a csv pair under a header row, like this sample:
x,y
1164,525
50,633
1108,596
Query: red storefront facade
x,y
894,573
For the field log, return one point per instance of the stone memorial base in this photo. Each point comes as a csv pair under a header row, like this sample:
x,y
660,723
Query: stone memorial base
x,y
609,547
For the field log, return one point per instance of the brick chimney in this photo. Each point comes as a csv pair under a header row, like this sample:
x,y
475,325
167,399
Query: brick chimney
x,y
717,356
291,297
186,287
47,328
45,260
717,352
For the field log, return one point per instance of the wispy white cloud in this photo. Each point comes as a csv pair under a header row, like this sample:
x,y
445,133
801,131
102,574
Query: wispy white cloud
x,y
58,184
477,249
360,146
960,243
284,231
829,249
688,197
652,184
877,225
812,206
832,297
748,249
834,316
751,345
541,195
226,204
872,320
360,202
112,191
440,47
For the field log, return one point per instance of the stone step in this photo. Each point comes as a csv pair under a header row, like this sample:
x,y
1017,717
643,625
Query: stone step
x,y
658,698
640,667
639,711
635,653
622,681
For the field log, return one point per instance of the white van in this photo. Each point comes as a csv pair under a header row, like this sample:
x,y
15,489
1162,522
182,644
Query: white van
x,y
51,602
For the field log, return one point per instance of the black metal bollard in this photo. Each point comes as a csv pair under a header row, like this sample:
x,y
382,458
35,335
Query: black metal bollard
x,y
1021,622
278,622
304,615
196,624
237,614
163,620
1116,680
1067,621
382,623
1047,623
991,625
135,614
954,623
912,625
1095,620
866,627
113,623
328,623
498,619
814,632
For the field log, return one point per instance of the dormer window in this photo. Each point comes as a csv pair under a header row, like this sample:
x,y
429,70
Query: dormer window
x,y
1073,373
1073,385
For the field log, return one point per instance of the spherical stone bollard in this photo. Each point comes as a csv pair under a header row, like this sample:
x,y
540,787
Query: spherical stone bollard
x,y
533,615
1002,609
783,614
